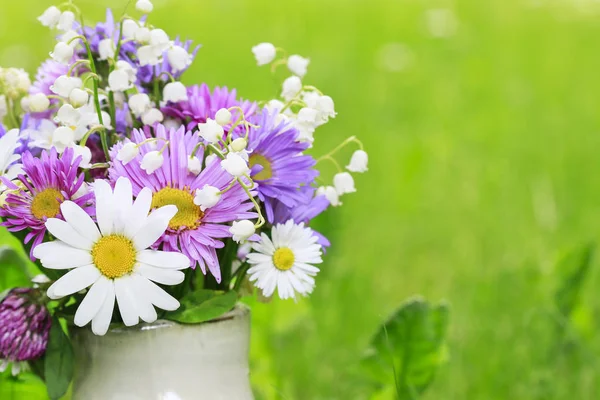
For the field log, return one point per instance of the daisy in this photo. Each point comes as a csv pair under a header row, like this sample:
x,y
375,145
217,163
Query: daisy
x,y
202,104
9,168
46,182
284,262
192,231
112,257
278,164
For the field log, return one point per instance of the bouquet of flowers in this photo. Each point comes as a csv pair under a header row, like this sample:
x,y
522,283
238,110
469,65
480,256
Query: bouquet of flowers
x,y
139,197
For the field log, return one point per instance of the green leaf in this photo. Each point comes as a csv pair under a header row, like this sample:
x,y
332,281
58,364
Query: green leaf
x,y
408,349
573,270
13,269
58,367
202,306
25,386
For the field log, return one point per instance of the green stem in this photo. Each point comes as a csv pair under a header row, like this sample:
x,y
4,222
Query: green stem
x,y
241,275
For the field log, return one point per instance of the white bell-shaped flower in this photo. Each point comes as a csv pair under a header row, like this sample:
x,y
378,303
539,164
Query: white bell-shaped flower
x,y
66,20
118,81
152,116
175,92
128,152
223,117
144,6
179,58
50,17
242,230
152,161
330,194
298,65
106,49
235,165
62,138
130,28
308,116
211,131
64,85
344,183
194,165
359,162
63,53
292,86
147,55
326,107
85,153
38,102
160,39
142,34
207,197
68,115
276,105
123,65
139,103
210,159
264,53
78,97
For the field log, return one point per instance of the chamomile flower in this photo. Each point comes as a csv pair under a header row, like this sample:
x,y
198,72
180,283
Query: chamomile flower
x,y
112,258
285,261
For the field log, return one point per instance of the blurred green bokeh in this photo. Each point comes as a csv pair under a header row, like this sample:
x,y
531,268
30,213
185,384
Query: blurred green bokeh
x,y
481,119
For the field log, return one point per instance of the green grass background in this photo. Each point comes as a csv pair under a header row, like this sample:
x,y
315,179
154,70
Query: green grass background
x,y
484,157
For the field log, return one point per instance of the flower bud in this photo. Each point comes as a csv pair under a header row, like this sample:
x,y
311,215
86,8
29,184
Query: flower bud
x,y
291,87
223,117
175,92
152,116
78,97
264,53
152,161
38,102
24,327
144,6
235,165
298,65
242,230
63,53
358,162
128,152
239,145
207,197
194,165
211,131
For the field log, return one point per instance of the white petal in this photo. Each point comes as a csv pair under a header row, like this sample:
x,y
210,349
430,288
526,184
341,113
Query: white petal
x,y
163,259
156,224
101,321
126,301
66,233
75,280
122,201
104,206
160,275
93,301
139,212
146,309
158,296
59,255
80,220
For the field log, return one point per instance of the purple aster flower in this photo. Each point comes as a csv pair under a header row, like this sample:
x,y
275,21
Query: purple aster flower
x,y
277,162
202,104
307,209
24,328
192,231
47,182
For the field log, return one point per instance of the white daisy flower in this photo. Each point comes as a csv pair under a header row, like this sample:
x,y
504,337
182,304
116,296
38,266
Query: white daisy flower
x,y
113,257
285,261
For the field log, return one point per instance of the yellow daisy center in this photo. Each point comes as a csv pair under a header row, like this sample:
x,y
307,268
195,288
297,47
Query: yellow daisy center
x,y
267,171
188,214
46,204
283,258
114,256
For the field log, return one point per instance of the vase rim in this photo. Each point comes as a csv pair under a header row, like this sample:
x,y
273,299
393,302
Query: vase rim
x,y
240,311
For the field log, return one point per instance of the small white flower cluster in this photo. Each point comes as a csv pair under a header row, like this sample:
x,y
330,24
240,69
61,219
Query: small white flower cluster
x,y
14,83
343,182
303,106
